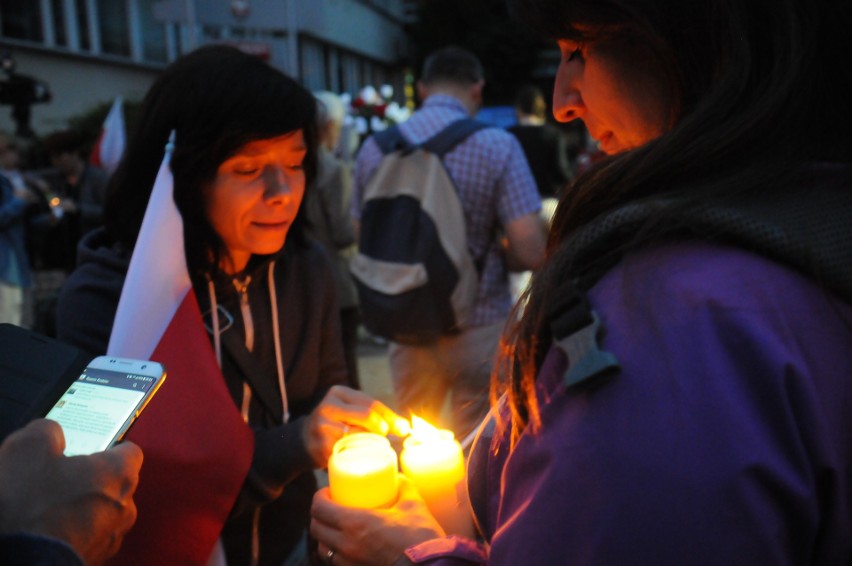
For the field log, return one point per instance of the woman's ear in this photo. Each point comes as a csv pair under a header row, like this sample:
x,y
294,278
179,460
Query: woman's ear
x,y
475,92
422,90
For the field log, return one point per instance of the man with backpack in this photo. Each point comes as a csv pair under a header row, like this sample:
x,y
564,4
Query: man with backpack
x,y
411,258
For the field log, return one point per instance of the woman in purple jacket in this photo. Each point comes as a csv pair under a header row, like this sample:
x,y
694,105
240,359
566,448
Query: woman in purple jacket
x,y
713,425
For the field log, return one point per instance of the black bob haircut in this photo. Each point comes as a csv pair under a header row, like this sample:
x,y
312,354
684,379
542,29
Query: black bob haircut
x,y
216,99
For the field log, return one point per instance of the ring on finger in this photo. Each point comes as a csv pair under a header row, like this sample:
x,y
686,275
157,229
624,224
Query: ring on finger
x,y
329,556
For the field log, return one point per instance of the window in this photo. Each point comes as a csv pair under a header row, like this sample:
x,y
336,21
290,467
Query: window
x,y
21,19
312,65
60,34
153,33
115,32
83,24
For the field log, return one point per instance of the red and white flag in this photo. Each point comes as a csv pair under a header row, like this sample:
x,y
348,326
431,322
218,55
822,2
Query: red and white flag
x,y
110,145
197,448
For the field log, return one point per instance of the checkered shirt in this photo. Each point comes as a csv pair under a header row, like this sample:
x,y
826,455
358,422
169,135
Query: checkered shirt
x,y
495,186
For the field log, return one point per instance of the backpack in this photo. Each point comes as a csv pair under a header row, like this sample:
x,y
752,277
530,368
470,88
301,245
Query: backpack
x,y
415,275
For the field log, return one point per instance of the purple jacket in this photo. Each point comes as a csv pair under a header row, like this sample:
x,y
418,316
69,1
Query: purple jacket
x,y
725,439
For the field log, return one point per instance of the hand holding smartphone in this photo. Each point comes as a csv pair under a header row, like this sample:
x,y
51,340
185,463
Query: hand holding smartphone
x,y
97,409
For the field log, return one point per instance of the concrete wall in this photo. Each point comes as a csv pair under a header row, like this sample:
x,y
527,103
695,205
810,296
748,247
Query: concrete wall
x,y
374,30
371,31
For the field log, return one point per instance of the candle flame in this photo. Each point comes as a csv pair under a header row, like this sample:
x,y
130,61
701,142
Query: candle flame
x,y
423,431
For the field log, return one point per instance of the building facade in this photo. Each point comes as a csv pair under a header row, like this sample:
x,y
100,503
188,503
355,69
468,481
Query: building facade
x,y
90,51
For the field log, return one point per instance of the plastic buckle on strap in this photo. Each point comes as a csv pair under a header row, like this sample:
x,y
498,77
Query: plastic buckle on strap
x,y
585,359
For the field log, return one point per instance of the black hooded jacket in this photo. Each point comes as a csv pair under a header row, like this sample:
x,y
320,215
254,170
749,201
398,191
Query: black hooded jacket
x,y
312,356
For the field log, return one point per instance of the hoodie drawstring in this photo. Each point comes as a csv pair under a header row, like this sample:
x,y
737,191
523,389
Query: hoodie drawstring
x,y
273,299
248,324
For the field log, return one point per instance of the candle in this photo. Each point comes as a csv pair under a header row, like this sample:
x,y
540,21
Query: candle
x,y
433,461
362,471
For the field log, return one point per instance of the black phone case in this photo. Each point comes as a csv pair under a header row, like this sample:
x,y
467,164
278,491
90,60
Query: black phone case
x,y
35,370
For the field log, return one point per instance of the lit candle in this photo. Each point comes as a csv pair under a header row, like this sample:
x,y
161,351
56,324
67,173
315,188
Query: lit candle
x,y
362,471
433,461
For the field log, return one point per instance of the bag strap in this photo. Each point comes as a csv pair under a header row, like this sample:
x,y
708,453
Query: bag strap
x,y
440,144
391,139
576,329
444,141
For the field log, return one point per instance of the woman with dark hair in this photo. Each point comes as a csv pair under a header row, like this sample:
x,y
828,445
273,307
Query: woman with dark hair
x,y
244,151
679,383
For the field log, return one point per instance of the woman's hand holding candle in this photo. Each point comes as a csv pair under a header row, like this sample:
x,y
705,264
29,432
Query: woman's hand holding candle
x,y
343,410
360,518
372,536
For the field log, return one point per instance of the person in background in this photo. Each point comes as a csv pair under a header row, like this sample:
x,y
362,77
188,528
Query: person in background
x,y
15,274
326,210
348,140
718,429
244,153
545,146
11,167
504,232
58,510
82,190
42,214
546,149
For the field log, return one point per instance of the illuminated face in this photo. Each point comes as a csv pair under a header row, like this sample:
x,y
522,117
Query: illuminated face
x,y
255,197
623,103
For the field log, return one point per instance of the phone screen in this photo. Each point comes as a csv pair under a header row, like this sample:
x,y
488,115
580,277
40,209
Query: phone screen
x,y
96,407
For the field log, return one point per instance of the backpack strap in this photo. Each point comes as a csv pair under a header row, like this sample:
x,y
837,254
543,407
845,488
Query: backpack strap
x,y
441,143
391,139
576,329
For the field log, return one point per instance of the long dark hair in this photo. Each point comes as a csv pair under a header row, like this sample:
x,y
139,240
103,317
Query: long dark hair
x,y
757,94
216,99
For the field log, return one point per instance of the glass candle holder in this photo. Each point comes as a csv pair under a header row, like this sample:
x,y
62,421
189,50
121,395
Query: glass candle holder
x,y
362,471
435,465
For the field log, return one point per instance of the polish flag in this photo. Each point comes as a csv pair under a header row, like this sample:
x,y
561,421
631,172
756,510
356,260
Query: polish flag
x,y
197,448
110,145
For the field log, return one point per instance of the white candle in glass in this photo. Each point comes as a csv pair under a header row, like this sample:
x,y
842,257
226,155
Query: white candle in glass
x,y
432,459
362,471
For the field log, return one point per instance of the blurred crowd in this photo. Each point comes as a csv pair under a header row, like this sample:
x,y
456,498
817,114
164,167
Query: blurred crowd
x,y
61,191
52,195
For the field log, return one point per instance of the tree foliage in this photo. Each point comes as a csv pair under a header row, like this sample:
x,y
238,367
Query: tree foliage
x,y
90,122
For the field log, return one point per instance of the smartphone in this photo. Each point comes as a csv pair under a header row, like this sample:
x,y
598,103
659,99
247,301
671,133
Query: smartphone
x,y
98,408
